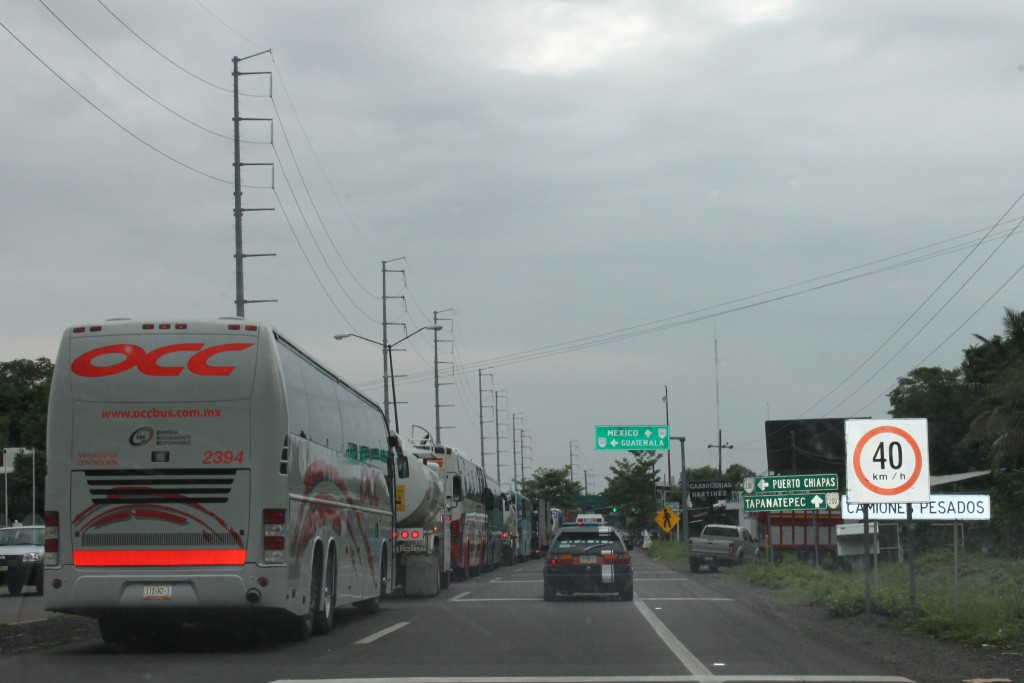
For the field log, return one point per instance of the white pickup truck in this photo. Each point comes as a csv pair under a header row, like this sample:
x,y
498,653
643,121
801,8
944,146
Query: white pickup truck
x,y
723,544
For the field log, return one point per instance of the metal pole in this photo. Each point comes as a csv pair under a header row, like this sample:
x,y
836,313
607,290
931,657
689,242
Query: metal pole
x,y
910,548
514,472
668,451
684,515
497,440
437,389
239,280
867,562
384,344
394,394
480,385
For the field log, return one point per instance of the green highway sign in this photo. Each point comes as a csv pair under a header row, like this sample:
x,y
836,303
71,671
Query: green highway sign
x,y
631,438
783,502
792,482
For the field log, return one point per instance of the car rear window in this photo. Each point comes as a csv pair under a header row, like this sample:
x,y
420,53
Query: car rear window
x,y
21,536
581,541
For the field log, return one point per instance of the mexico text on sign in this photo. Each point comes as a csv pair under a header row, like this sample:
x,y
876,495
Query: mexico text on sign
x,y
631,438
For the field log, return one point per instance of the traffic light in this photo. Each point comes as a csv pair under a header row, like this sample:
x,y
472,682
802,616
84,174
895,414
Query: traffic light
x,y
615,510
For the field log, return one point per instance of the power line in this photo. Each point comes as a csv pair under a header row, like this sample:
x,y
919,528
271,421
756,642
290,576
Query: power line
x,y
168,59
112,119
129,81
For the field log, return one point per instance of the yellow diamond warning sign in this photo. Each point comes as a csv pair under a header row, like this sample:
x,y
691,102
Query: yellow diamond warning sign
x,y
666,519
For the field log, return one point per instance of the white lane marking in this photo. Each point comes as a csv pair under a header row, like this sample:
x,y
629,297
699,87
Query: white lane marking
x,y
687,599
781,678
687,658
381,634
459,596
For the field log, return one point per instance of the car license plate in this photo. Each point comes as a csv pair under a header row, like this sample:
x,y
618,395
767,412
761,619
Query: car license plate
x,y
156,591
3,567
588,559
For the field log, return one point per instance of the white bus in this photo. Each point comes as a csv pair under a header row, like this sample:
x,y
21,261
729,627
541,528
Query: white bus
x,y
211,470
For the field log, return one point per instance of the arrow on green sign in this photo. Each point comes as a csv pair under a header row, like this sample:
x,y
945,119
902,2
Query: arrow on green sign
x,y
781,502
631,438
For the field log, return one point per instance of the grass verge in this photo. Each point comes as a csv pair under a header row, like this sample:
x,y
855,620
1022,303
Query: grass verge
x,y
983,605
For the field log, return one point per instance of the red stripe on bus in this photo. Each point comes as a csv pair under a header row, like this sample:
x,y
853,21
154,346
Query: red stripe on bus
x,y
157,558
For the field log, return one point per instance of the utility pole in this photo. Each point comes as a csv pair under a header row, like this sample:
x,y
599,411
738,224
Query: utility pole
x,y
384,324
437,382
720,446
718,414
480,385
522,454
497,438
240,255
684,515
572,455
668,452
515,473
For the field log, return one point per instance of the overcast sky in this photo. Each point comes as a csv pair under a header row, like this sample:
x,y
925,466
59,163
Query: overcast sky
x,y
772,208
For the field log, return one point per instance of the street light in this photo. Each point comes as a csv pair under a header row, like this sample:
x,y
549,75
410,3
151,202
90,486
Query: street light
x,y
391,363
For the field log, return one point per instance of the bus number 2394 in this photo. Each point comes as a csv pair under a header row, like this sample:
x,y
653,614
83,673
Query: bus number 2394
x,y
223,457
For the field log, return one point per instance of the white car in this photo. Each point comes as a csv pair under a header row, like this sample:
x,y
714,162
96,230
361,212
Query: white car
x,y
21,558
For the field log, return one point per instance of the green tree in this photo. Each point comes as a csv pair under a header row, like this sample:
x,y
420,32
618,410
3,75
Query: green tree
x,y
24,394
995,373
736,473
942,397
19,487
554,485
705,473
631,487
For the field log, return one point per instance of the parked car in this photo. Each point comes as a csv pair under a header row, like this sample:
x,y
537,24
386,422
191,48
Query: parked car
x,y
21,558
588,559
723,544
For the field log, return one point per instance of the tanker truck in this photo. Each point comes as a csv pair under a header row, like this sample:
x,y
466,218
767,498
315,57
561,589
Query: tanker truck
x,y
422,540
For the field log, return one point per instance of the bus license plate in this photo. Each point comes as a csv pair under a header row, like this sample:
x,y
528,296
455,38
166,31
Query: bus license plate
x,y
156,591
588,559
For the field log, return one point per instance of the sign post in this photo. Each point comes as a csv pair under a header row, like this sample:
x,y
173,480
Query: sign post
x,y
887,462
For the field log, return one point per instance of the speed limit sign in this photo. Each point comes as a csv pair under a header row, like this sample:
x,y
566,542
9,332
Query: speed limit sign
x,y
887,461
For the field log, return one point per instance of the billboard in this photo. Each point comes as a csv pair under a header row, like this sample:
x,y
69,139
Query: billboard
x,y
807,446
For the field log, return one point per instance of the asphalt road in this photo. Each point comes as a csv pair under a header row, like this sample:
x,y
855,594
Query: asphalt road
x,y
496,627
15,609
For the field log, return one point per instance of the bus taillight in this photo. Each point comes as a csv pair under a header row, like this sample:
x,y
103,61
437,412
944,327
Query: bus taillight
x,y
273,535
51,538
